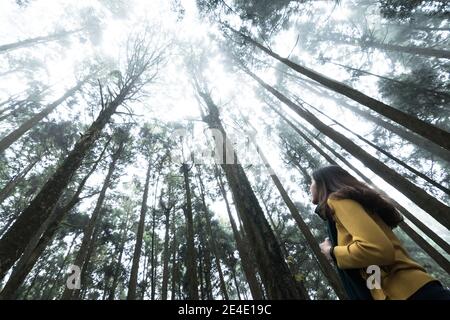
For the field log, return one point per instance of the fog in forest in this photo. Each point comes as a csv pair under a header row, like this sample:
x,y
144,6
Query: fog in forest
x,y
163,149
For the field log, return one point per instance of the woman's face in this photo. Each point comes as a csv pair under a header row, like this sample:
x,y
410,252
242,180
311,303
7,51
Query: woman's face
x,y
313,191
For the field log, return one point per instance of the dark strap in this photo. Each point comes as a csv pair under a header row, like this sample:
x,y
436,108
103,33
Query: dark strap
x,y
353,282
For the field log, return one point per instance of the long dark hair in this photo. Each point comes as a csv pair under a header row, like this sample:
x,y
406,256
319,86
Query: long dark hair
x,y
336,183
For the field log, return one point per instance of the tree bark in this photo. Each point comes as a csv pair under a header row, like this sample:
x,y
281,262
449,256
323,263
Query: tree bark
x,y
174,280
191,255
139,238
274,271
165,278
212,242
247,264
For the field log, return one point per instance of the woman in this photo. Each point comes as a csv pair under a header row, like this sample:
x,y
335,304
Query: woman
x,y
371,261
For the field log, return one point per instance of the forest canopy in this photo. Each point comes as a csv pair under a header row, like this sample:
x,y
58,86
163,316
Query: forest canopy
x,y
163,150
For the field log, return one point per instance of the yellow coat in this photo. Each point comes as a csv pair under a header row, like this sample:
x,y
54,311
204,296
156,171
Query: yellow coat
x,y
363,240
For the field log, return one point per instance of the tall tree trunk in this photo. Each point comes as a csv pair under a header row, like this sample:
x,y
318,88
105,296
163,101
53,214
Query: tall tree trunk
x,y
42,238
9,187
132,284
416,139
433,133
200,271
154,258
430,250
61,268
174,280
434,207
154,272
191,269
30,123
411,26
207,271
204,268
165,278
94,221
211,238
274,271
236,283
293,267
324,265
116,272
427,52
37,40
13,242
25,295
205,260
247,264
410,84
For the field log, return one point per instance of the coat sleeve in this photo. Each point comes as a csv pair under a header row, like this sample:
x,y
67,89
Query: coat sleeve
x,y
369,245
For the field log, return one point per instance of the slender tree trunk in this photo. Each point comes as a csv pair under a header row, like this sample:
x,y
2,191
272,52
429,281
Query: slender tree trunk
x,y
30,123
61,268
165,279
247,264
13,242
430,250
9,187
30,256
139,238
86,270
116,273
427,52
25,295
233,273
432,133
202,250
273,269
174,280
324,265
410,84
204,260
293,267
388,154
37,40
154,257
154,271
200,271
434,207
88,239
42,238
415,27
416,139
190,248
207,268
211,238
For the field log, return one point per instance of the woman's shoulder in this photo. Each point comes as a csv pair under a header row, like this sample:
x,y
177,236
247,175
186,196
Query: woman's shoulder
x,y
345,203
